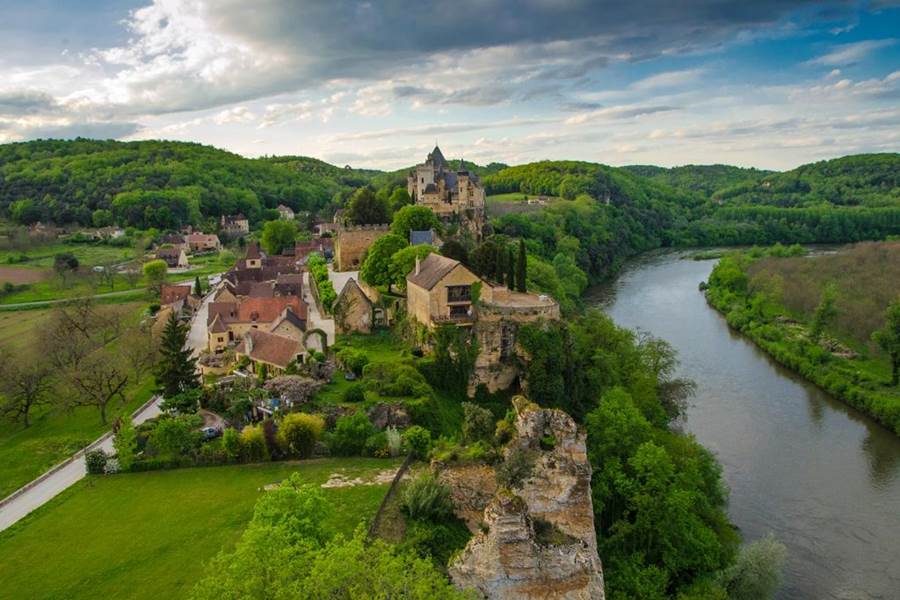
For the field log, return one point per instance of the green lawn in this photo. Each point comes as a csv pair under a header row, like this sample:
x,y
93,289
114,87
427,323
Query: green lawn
x,y
54,435
149,535
41,257
516,197
381,346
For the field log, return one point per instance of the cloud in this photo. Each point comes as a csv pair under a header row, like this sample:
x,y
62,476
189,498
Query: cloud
x,y
430,130
848,54
25,102
617,112
667,79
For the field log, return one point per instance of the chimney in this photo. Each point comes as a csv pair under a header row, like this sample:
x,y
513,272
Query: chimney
x,y
418,265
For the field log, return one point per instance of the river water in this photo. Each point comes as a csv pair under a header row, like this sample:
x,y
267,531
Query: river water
x,y
821,476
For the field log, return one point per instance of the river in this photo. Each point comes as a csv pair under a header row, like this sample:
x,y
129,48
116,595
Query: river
x,y
821,476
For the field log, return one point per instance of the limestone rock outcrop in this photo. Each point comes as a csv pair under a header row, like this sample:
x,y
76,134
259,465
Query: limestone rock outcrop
x,y
536,538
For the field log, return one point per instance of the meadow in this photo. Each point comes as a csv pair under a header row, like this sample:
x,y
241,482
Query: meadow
x,y
149,535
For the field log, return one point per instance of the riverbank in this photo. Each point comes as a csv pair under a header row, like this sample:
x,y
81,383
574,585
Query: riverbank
x,y
752,293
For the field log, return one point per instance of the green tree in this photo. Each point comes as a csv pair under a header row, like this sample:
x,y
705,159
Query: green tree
x,y
510,269
414,218
125,442
176,370
65,263
756,574
231,443
301,432
888,338
176,435
278,235
522,268
155,272
403,262
198,289
478,423
376,268
102,217
366,209
825,312
455,250
399,198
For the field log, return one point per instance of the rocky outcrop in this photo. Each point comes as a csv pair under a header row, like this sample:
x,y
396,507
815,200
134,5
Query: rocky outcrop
x,y
472,487
536,538
385,415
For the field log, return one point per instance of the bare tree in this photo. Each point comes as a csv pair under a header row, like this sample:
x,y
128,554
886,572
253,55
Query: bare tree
x,y
25,382
98,380
139,348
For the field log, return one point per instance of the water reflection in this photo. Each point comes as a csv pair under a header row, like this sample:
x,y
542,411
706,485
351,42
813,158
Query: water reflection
x,y
817,473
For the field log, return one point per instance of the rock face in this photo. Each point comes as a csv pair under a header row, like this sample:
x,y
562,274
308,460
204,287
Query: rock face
x,y
472,487
537,539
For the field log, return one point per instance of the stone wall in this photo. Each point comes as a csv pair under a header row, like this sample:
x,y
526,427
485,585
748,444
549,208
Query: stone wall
x,y
351,244
536,539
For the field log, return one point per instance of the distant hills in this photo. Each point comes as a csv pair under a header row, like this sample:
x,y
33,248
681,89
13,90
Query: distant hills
x,y
166,184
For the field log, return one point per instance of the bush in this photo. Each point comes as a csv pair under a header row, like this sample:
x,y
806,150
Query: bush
x,y
231,444
350,434
95,462
352,359
300,433
176,435
516,467
355,393
427,498
478,423
417,441
253,444
187,402
377,445
757,572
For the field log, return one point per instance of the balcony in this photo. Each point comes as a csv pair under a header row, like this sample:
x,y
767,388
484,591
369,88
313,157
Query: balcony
x,y
457,294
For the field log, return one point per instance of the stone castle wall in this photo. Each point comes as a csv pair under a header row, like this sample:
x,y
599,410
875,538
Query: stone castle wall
x,y
351,244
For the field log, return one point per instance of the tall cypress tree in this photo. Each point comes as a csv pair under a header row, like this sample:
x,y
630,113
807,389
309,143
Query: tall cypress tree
x,y
521,274
197,289
499,264
176,370
510,269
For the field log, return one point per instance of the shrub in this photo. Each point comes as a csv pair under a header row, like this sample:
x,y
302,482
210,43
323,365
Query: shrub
x,y
428,499
757,571
353,359
355,393
176,435
504,432
350,434
187,402
253,444
478,423
95,461
300,433
417,441
516,467
125,443
377,445
231,444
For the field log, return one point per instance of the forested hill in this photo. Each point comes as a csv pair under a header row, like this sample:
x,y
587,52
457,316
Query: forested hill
x,y
699,179
155,183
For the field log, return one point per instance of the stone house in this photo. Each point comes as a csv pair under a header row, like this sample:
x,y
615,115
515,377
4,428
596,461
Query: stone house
x,y
274,351
353,310
286,212
176,241
449,193
234,225
175,258
202,242
439,290
229,321
351,244
180,299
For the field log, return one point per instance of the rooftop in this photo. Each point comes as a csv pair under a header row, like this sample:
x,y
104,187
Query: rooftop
x,y
270,348
431,270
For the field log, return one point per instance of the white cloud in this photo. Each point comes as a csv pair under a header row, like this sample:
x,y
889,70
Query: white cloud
x,y
668,79
848,54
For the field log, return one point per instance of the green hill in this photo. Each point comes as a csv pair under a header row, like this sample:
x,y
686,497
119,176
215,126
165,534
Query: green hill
x,y
699,179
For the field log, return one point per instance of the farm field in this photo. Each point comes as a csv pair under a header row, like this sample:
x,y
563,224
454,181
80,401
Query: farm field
x,y
152,533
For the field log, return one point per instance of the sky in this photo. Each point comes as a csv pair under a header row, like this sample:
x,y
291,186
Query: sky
x,y
766,83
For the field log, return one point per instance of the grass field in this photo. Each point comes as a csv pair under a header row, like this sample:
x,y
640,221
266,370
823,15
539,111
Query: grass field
x,y
41,256
498,205
149,535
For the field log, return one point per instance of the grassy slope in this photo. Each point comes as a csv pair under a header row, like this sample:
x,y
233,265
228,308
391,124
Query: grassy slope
x,y
148,535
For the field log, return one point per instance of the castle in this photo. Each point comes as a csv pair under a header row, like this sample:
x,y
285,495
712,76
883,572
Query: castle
x,y
451,194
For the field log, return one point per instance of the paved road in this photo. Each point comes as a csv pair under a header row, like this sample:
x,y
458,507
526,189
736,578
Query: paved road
x,y
197,336
315,319
62,478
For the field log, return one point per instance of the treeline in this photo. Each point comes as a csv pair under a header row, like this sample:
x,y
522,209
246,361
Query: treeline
x,y
152,183
704,180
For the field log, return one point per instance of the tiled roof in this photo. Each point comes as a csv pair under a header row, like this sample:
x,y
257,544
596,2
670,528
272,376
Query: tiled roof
x,y
266,310
201,237
217,325
172,293
269,348
431,270
168,253
253,251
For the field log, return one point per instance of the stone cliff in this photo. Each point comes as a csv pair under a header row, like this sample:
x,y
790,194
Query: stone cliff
x,y
536,535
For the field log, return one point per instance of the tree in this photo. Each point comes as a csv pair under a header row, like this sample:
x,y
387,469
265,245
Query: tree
x,y
102,217
366,209
125,442
155,272
399,198
414,218
510,269
522,268
25,383
176,435
176,369
478,423
300,433
456,251
375,269
756,574
888,338
198,289
63,264
824,314
404,261
139,348
98,380
278,235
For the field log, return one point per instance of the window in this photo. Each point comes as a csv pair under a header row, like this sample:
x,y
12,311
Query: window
x,y
459,293
459,311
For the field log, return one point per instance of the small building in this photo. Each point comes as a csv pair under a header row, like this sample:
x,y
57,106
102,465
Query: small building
x,y
289,284
176,241
236,318
324,229
274,351
323,246
439,290
234,225
289,324
286,212
175,258
353,310
253,259
202,242
180,299
351,244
